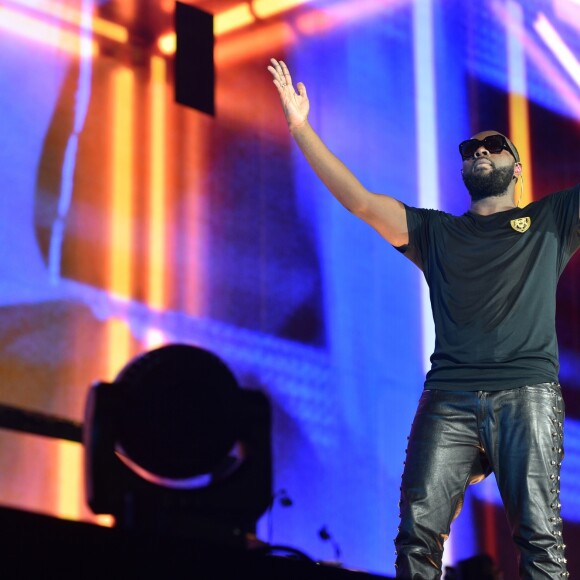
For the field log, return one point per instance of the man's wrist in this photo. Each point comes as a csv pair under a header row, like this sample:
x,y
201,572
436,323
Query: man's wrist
x,y
296,128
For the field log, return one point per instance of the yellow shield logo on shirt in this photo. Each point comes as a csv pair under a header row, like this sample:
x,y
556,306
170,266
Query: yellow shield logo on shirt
x,y
521,225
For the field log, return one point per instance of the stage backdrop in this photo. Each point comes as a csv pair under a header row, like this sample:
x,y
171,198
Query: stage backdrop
x,y
128,221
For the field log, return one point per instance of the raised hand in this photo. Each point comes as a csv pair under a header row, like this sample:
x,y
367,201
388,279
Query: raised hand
x,y
295,104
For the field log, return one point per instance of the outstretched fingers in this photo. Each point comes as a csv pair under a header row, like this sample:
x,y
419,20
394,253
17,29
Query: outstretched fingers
x,y
281,74
286,73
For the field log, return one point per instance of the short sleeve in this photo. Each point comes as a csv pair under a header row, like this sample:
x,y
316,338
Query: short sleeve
x,y
418,222
565,210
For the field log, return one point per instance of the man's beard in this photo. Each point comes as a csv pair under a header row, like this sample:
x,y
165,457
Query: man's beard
x,y
490,184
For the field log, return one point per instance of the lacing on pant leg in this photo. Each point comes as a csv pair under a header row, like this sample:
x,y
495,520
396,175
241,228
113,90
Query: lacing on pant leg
x,y
555,505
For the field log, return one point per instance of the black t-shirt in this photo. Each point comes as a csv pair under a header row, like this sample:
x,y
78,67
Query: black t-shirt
x,y
492,283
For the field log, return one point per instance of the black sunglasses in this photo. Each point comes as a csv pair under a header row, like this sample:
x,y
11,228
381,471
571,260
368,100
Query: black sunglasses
x,y
493,143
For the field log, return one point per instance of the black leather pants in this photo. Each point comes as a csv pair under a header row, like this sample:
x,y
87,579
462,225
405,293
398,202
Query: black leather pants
x,y
458,438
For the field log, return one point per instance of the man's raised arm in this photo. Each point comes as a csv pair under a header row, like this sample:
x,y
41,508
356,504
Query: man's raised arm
x,y
384,213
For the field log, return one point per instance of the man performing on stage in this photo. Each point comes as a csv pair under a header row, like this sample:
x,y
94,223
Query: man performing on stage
x,y
492,400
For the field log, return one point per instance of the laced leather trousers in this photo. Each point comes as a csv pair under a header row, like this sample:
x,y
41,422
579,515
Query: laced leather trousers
x,y
458,438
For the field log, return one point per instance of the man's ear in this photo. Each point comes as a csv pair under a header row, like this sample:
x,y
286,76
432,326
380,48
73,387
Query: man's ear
x,y
518,169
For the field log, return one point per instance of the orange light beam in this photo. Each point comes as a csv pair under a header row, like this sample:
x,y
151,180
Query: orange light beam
x,y
121,214
69,473
518,103
266,8
157,186
236,17
260,42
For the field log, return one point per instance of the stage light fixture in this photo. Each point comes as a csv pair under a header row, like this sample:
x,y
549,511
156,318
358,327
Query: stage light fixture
x,y
175,446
